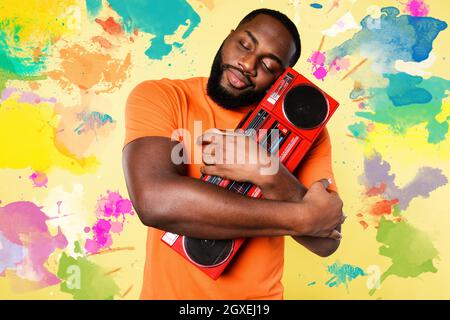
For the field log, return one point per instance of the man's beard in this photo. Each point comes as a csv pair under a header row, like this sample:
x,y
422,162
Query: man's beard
x,y
221,96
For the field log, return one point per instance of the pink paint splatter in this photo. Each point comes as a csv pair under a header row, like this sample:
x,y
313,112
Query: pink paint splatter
x,y
25,96
337,65
317,58
6,93
417,8
111,212
320,73
33,98
317,61
39,179
23,225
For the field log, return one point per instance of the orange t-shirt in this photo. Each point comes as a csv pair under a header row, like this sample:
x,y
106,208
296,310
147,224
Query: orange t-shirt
x,y
157,108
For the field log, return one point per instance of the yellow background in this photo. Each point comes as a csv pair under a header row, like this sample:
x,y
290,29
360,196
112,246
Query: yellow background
x,y
406,153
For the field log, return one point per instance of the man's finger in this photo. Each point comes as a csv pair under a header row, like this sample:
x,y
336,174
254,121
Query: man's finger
x,y
325,183
343,219
336,235
209,170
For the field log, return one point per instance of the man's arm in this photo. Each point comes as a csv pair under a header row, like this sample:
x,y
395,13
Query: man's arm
x,y
284,186
165,198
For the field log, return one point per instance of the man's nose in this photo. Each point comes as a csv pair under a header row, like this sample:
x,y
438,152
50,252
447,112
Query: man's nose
x,y
247,63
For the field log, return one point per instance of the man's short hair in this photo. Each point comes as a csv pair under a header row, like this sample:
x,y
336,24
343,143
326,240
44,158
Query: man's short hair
x,y
289,25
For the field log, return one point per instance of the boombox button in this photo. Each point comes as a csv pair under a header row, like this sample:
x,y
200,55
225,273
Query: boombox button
x,y
170,238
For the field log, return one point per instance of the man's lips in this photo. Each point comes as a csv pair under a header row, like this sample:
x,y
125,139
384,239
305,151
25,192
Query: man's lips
x,y
236,78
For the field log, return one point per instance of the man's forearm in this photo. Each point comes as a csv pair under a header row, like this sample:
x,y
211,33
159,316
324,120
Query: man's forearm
x,y
286,187
191,207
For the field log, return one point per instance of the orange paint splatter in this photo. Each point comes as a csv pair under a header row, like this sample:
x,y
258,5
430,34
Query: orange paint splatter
x,y
111,250
208,3
113,271
376,190
110,26
364,224
127,292
383,207
86,69
34,85
334,5
37,54
102,42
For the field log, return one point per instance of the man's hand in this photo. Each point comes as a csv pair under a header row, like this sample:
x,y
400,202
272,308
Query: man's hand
x,y
238,157
235,156
325,211
286,187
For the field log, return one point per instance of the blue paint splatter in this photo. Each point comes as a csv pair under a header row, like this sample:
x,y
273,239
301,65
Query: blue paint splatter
x,y
408,100
311,283
390,38
403,90
342,274
316,5
159,18
11,254
92,121
93,8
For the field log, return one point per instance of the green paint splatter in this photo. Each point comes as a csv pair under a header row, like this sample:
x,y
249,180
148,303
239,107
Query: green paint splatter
x,y
7,75
400,118
342,274
396,212
93,8
12,59
358,130
77,248
410,250
159,18
85,280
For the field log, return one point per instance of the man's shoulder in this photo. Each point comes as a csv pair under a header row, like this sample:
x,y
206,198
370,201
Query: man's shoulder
x,y
170,90
181,84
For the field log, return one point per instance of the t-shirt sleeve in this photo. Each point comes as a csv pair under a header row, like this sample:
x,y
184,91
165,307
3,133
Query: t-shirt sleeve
x,y
150,111
317,163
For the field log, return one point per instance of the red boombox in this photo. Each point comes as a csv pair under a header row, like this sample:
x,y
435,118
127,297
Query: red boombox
x,y
297,111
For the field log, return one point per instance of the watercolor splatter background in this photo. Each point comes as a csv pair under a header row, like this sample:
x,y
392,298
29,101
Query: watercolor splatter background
x,y
67,227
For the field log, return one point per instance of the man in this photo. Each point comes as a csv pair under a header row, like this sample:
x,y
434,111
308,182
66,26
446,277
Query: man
x,y
170,197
